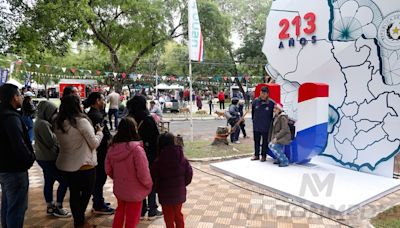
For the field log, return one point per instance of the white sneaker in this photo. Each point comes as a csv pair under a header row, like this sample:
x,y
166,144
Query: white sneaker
x,y
236,142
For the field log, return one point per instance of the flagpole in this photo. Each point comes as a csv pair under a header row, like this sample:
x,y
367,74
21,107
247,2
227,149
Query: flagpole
x,y
191,99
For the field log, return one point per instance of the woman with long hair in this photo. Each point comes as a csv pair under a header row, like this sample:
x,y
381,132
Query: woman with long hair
x,y
96,102
127,165
77,157
148,132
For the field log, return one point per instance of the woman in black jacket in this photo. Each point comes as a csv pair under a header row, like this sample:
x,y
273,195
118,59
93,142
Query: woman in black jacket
x,y
96,102
148,132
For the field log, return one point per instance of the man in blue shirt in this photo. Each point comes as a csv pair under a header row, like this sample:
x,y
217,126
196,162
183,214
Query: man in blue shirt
x,y
262,116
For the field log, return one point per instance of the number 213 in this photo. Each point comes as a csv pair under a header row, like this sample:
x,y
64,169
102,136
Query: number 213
x,y
285,24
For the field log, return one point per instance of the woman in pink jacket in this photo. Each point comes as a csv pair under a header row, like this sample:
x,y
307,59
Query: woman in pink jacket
x,y
127,165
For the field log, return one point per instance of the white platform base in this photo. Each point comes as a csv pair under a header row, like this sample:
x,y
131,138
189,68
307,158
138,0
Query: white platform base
x,y
320,185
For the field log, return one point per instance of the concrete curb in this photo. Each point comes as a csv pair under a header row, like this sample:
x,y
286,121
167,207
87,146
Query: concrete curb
x,y
195,118
215,159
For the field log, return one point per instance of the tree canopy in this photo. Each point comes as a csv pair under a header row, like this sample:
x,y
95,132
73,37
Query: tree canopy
x,y
128,36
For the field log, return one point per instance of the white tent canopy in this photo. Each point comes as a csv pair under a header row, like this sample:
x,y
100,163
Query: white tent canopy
x,y
164,86
15,82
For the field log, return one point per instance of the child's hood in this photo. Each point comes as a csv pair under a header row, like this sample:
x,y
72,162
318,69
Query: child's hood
x,y
121,151
172,153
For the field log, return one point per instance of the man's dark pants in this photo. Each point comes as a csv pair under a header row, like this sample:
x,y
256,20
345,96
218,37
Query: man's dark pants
x,y
101,178
222,105
14,198
150,204
257,139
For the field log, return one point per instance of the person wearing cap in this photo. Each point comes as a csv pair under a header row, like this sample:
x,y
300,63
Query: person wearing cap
x,y
235,117
17,157
262,115
28,113
280,136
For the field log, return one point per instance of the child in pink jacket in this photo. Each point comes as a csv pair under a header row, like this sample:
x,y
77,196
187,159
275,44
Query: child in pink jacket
x,y
127,165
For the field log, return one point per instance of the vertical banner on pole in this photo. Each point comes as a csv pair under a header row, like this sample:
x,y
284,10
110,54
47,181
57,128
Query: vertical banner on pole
x,y
3,76
196,49
28,78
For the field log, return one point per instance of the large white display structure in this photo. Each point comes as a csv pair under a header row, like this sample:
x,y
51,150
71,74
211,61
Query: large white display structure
x,y
354,47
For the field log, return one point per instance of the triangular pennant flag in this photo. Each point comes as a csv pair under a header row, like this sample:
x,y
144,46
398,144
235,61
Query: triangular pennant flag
x,y
226,78
73,70
232,79
98,72
37,65
115,74
139,76
164,77
247,77
28,64
124,75
64,69
240,78
81,71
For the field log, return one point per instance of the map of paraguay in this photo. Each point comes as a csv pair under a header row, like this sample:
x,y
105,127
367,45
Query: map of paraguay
x,y
354,46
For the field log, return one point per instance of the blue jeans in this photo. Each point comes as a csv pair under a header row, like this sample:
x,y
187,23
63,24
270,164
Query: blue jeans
x,y
279,151
115,113
51,175
14,198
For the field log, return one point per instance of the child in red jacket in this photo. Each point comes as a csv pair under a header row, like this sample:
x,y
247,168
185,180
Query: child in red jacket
x,y
127,165
171,173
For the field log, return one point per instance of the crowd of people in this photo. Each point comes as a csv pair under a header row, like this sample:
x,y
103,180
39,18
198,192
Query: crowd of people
x,y
75,148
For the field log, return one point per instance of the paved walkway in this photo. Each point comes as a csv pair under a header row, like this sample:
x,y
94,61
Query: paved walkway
x,y
215,200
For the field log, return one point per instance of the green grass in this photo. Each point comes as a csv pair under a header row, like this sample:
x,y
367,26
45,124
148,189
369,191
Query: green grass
x,y
388,218
203,149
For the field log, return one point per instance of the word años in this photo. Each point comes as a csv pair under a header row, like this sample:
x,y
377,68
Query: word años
x,y
303,42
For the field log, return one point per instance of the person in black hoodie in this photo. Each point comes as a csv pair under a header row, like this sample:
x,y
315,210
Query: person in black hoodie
x,y
16,158
149,133
96,102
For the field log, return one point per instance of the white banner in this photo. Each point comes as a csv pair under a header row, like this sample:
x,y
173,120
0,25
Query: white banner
x,y
196,49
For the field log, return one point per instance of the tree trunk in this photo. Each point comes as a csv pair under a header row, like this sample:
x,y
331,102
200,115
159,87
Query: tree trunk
x,y
221,136
45,91
236,72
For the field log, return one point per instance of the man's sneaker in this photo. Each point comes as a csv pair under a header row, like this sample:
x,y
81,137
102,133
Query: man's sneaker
x,y
154,215
50,210
104,211
237,142
276,162
61,212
